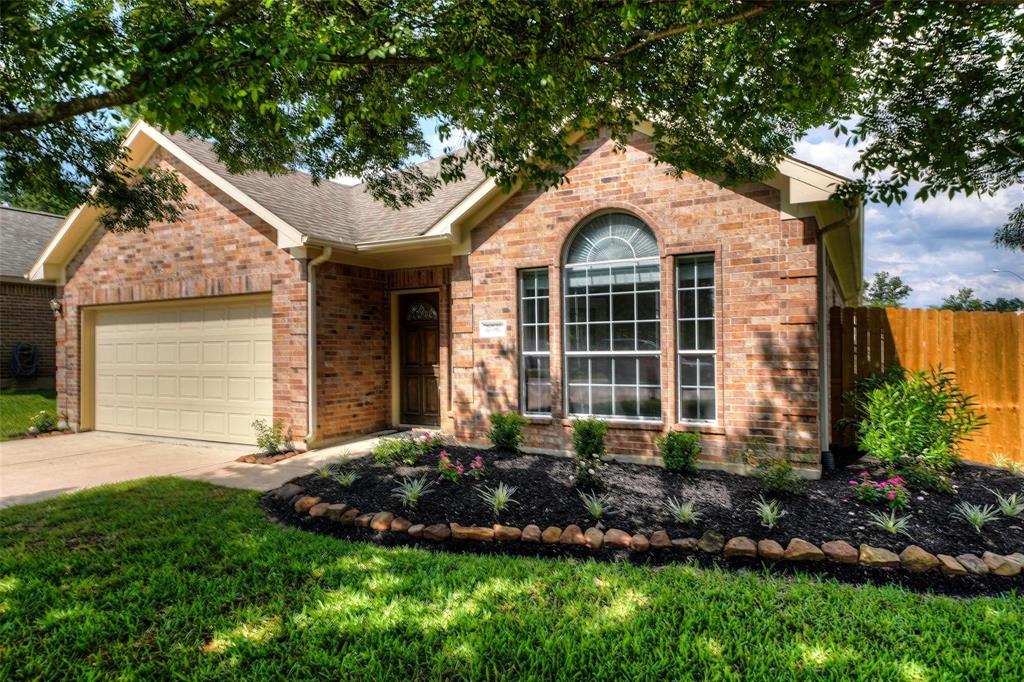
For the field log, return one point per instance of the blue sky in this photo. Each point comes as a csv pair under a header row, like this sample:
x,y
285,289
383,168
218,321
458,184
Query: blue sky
x,y
936,246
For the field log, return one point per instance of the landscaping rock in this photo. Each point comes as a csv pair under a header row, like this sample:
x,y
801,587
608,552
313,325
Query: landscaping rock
x,y
639,543
740,547
801,550
711,542
507,533
363,520
437,532
660,540
769,549
400,525
551,535
1016,558
572,535
594,538
416,530
319,509
973,564
305,503
684,544
334,511
1000,565
531,533
950,566
349,517
617,539
877,557
917,560
840,551
287,491
472,533
382,520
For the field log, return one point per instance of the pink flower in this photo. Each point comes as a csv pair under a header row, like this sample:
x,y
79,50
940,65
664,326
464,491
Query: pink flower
x,y
891,494
865,474
460,468
854,483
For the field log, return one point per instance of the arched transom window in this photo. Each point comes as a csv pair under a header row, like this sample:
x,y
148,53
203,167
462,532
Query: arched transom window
x,y
611,313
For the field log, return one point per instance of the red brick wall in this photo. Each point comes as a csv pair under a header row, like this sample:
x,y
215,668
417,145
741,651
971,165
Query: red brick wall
x,y
353,356
25,317
767,370
219,248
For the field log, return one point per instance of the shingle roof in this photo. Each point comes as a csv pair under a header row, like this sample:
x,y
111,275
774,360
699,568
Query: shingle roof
x,y
23,236
337,213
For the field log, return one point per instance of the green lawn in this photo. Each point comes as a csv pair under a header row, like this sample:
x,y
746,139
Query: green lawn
x,y
172,579
18,407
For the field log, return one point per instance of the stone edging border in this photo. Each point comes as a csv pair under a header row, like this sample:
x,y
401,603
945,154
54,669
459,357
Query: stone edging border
x,y
913,558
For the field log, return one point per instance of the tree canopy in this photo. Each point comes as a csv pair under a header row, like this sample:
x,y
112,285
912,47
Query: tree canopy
x,y
339,87
964,299
886,291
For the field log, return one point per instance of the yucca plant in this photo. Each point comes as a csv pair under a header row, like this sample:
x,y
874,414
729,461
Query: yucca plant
x,y
975,514
682,512
1004,462
770,512
411,490
325,471
596,505
345,478
1011,505
890,523
499,497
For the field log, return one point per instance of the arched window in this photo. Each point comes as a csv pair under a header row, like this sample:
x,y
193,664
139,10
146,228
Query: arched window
x,y
612,322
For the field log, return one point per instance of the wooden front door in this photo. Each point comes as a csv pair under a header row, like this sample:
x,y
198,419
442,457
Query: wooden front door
x,y
420,346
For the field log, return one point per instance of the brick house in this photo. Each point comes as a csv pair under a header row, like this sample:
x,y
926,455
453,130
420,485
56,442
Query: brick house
x,y
25,314
658,303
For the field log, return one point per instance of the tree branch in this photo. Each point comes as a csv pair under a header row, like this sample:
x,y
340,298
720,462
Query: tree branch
x,y
655,36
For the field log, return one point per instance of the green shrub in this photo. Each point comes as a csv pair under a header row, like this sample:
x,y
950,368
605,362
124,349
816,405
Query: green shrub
x,y
915,418
588,450
43,421
679,451
269,439
507,430
917,476
395,451
776,474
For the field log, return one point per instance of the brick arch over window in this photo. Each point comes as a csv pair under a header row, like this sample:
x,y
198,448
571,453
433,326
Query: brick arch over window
x,y
612,322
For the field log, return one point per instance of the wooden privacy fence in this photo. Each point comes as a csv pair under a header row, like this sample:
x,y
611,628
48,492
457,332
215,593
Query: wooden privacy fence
x,y
986,350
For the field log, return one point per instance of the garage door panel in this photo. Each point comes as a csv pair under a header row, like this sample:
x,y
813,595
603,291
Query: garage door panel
x,y
196,370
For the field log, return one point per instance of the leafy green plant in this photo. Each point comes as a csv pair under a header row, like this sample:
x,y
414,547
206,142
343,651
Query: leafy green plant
x,y
890,523
269,439
345,478
588,452
498,498
595,504
411,490
919,476
43,421
679,450
890,492
770,512
406,449
777,475
682,512
507,430
1010,505
915,417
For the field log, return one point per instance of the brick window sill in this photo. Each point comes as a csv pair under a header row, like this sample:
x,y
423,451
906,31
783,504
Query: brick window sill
x,y
627,425
705,429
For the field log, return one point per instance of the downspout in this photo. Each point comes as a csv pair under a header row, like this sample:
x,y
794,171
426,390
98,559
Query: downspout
x,y
311,342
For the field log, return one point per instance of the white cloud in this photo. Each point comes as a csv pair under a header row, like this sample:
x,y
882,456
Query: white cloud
x,y
346,180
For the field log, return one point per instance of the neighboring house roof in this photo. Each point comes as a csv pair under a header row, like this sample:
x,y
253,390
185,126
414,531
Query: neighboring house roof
x,y
23,235
331,212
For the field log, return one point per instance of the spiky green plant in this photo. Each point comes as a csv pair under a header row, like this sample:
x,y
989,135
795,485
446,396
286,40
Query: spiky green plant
x,y
890,523
411,490
975,514
682,512
345,478
770,512
498,498
596,505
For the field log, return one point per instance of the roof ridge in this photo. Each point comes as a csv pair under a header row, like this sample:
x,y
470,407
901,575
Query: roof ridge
x,y
29,210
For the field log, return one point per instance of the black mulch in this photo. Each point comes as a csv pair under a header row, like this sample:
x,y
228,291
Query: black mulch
x,y
825,510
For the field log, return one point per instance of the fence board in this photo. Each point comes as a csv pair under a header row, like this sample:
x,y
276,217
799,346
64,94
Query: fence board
x,y
986,350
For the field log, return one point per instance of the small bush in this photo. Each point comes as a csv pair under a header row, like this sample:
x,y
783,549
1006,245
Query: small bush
x,y
405,450
453,470
588,451
507,430
890,492
43,421
920,477
775,473
269,439
679,451
915,417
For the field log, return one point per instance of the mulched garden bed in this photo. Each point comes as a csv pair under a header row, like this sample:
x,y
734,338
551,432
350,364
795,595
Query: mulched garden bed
x,y
826,510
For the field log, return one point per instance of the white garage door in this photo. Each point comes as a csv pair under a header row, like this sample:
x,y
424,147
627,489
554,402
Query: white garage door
x,y
197,370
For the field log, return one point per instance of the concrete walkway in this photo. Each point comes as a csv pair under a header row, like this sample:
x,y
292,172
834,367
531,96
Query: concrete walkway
x,y
39,468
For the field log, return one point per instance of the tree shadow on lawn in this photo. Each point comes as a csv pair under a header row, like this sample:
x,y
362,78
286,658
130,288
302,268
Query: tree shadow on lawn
x,y
163,578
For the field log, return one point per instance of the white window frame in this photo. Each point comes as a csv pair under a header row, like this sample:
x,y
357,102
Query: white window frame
x,y
523,325
696,353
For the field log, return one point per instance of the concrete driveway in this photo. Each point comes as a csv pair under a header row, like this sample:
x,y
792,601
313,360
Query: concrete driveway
x,y
39,468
